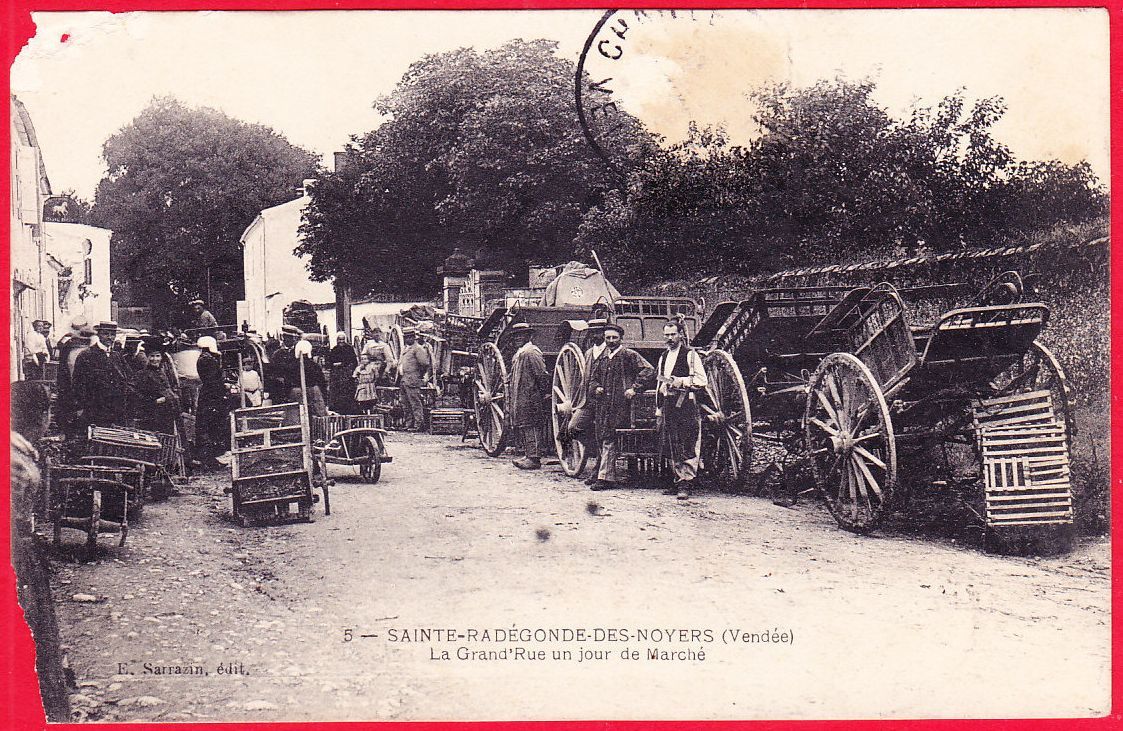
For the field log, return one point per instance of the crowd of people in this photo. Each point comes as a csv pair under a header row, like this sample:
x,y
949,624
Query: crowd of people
x,y
615,375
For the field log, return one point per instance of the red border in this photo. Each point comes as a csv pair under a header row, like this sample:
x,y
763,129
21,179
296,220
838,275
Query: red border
x,y
19,707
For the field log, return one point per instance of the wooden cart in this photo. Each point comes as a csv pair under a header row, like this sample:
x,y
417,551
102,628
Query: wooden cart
x,y
841,379
93,499
351,439
271,464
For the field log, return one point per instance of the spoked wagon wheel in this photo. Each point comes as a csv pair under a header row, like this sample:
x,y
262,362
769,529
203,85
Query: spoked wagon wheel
x,y
371,467
569,379
727,423
1039,370
397,342
489,398
849,438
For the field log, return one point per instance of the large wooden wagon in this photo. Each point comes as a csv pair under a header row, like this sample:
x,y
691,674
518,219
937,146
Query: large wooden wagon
x,y
271,464
561,335
840,379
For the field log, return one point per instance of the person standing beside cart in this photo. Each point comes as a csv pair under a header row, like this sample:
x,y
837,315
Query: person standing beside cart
x,y
680,376
99,384
412,370
156,404
341,385
366,384
582,424
381,357
70,346
530,387
210,413
614,380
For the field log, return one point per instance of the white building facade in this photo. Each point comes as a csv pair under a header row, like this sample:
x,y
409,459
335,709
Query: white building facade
x,y
274,275
81,286
29,265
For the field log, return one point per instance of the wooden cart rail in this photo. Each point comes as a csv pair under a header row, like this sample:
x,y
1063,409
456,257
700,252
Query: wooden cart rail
x,y
93,499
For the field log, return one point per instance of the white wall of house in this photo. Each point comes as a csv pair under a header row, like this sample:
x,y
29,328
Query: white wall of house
x,y
28,189
274,275
85,250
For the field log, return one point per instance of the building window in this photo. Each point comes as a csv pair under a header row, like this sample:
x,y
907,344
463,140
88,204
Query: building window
x,y
89,278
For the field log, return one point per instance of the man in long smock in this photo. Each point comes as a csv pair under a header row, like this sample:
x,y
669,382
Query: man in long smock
x,y
616,377
681,377
412,369
530,387
211,430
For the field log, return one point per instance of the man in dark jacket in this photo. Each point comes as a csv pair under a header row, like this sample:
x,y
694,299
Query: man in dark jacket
x,y
530,387
70,347
99,382
211,432
616,377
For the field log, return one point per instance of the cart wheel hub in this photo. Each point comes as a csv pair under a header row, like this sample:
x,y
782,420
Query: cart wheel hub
x,y
485,399
842,444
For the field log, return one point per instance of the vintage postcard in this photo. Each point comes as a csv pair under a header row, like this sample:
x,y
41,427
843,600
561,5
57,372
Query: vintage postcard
x,y
559,364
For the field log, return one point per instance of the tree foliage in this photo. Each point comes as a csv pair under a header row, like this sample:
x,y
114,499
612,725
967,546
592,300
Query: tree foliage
x,y
831,177
479,150
181,186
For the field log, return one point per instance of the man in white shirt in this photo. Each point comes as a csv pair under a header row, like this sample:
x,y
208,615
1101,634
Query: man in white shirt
x,y
680,376
36,349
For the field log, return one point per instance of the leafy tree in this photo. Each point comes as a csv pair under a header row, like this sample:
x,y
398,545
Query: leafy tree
x,y
831,177
182,185
479,150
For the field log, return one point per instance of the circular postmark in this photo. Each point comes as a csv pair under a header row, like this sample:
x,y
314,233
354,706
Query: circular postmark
x,y
674,72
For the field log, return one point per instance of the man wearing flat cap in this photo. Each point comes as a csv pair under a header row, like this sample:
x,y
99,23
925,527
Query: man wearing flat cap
x,y
202,318
99,384
412,370
530,387
614,380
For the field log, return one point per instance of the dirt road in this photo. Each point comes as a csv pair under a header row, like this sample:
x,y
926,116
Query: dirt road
x,y
752,610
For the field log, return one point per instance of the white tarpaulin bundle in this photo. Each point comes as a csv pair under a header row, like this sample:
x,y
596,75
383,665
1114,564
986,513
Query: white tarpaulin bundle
x,y
578,284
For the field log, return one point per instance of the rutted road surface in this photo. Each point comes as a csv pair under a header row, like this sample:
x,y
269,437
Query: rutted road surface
x,y
884,625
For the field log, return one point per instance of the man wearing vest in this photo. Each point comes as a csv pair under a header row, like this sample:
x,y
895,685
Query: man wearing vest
x,y
680,376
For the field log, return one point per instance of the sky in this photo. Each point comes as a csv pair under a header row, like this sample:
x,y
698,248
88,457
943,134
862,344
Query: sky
x,y
312,76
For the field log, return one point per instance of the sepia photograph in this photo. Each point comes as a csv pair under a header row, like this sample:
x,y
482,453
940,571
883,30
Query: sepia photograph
x,y
561,364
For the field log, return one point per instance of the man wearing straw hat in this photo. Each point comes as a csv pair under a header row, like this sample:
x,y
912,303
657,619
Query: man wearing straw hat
x,y
530,387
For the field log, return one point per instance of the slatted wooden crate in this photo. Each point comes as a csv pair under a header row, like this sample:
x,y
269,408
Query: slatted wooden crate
x,y
447,421
1024,447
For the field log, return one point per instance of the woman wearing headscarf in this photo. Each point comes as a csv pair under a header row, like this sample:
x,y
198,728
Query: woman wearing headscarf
x,y
341,362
